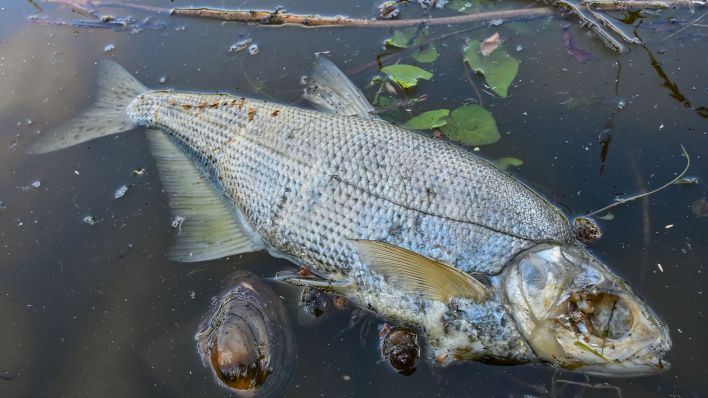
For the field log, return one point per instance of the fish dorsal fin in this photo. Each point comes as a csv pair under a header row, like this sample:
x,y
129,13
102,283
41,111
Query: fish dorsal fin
x,y
415,273
330,90
208,227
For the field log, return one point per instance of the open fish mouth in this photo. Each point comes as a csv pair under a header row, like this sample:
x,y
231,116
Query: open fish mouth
x,y
576,314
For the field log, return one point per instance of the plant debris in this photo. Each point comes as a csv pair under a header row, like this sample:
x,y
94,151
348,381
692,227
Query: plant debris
x,y
489,44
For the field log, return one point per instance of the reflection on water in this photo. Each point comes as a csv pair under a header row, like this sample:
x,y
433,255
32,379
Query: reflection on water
x,y
98,309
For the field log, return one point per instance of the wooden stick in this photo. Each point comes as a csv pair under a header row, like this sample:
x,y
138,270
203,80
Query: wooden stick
x,y
269,18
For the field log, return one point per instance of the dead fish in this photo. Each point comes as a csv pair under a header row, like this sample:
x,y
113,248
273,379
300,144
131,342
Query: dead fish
x,y
246,339
419,231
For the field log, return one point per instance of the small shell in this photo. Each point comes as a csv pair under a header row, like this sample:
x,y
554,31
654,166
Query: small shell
x,y
586,229
246,339
399,346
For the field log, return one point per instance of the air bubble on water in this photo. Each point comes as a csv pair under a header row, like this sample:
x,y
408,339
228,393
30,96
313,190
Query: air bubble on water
x,y
91,220
253,49
192,294
108,48
120,192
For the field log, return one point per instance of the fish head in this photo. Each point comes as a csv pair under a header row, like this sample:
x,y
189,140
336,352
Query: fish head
x,y
576,314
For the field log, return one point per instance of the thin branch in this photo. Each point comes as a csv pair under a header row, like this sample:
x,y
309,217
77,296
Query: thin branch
x,y
641,195
269,18
474,86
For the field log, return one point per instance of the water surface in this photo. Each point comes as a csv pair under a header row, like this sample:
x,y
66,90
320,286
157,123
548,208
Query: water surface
x,y
91,310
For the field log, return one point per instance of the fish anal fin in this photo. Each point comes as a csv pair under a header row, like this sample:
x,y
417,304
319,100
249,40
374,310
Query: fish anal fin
x,y
416,273
330,90
208,227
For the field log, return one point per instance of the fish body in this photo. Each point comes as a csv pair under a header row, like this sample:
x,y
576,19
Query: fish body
x,y
361,203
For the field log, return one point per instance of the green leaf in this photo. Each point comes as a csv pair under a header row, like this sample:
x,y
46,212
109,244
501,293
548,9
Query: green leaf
x,y
406,75
426,55
505,163
428,120
405,38
499,68
471,125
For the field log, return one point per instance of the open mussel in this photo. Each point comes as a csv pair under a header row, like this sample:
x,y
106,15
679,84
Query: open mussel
x,y
246,339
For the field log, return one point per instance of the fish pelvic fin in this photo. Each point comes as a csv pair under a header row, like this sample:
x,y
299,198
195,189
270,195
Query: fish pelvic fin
x,y
208,227
330,90
418,274
117,88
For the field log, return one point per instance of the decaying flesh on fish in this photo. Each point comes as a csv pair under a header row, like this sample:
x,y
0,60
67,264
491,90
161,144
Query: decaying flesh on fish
x,y
421,232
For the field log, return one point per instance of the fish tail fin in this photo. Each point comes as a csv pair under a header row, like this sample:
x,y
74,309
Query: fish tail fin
x,y
117,88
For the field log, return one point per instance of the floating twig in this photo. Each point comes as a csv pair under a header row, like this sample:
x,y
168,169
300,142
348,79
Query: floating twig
x,y
279,18
641,195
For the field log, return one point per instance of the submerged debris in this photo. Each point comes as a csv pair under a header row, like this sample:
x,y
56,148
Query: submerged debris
x,y
687,180
399,346
700,207
314,301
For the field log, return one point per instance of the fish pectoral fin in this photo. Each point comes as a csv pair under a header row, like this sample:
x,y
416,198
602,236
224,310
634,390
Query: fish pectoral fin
x,y
416,273
207,226
330,90
329,286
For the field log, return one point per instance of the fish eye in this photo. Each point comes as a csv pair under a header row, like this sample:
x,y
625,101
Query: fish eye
x,y
604,315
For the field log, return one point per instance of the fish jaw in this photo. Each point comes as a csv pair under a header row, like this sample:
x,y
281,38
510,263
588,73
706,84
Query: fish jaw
x,y
577,315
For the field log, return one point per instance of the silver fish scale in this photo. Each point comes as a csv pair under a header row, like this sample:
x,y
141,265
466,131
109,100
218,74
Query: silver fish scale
x,y
308,182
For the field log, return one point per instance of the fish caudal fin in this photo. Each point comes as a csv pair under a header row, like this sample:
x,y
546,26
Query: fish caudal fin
x,y
117,88
207,226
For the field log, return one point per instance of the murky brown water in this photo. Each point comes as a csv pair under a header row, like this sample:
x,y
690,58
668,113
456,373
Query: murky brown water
x,y
89,310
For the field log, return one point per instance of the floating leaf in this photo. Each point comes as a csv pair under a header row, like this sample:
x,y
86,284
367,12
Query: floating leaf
x,y
490,44
471,125
405,38
406,75
499,68
505,163
427,55
428,120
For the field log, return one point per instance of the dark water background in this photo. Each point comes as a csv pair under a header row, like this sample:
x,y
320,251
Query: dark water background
x,y
99,310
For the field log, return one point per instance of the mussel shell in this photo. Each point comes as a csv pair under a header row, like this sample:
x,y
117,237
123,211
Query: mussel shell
x,y
246,339
399,346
